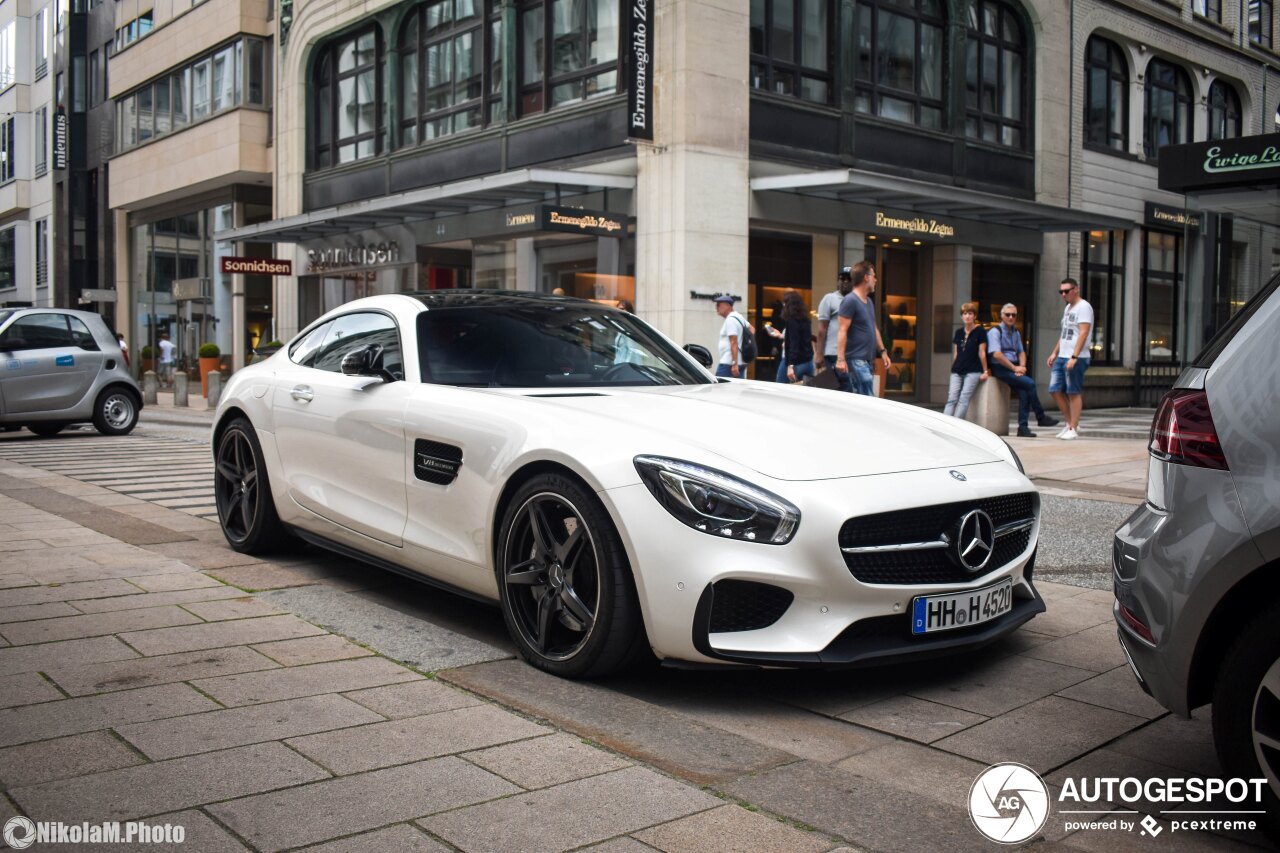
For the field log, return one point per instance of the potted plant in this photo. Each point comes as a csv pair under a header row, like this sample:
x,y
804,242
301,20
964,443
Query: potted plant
x,y
210,360
148,358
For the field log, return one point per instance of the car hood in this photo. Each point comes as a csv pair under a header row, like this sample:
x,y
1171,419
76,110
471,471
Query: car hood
x,y
782,432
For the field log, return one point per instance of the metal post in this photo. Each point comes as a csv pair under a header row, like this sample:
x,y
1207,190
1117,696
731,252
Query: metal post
x,y
180,380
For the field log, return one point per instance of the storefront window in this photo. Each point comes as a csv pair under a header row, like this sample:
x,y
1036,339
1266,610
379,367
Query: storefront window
x,y
995,75
1167,109
791,48
1224,111
1161,286
1106,118
578,41
1103,278
348,100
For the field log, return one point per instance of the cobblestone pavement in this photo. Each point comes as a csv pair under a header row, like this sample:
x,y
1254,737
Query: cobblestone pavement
x,y
149,672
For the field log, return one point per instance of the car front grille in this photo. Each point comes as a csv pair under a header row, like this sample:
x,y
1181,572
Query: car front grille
x,y
747,605
928,524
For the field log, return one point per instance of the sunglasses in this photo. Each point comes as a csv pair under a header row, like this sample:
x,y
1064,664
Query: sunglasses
x,y
1065,292
1010,314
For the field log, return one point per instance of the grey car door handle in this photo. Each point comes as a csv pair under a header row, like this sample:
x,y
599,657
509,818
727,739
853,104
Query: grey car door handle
x,y
301,393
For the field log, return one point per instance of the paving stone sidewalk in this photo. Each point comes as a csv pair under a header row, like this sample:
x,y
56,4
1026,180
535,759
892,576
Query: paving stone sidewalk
x,y
136,682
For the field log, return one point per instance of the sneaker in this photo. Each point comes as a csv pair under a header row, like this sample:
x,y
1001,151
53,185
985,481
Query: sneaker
x,y
1046,421
1068,435
1025,432
1062,432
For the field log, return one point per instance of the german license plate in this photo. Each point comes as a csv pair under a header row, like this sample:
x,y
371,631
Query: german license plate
x,y
931,613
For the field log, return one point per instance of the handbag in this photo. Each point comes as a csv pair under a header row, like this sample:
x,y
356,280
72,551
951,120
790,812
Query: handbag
x,y
826,378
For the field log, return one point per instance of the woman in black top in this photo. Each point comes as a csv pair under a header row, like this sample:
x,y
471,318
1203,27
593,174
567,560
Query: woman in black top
x,y
797,337
968,362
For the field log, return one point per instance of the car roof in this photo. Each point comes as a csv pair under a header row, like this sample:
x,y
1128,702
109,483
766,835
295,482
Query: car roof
x,y
83,315
467,298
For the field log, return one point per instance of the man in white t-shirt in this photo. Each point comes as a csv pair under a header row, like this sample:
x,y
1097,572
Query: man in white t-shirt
x,y
166,358
732,331
1071,356
829,324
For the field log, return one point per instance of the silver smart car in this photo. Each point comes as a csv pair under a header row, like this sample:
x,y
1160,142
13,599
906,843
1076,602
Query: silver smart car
x,y
59,367
1197,567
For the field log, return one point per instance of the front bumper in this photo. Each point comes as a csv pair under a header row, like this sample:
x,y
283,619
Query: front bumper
x,y
833,618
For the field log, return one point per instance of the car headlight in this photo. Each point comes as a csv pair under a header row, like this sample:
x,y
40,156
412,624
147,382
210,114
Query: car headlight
x,y
1013,453
717,503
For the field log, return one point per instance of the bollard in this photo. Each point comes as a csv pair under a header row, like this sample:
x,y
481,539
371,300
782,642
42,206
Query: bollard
x,y
215,390
180,380
149,387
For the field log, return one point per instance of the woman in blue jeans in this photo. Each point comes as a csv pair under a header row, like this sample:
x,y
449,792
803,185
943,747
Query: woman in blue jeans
x,y
968,361
797,337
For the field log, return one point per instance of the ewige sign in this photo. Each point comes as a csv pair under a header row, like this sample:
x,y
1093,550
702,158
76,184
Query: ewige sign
x,y
257,266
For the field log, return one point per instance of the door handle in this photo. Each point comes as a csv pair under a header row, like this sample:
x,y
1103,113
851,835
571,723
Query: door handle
x,y
302,393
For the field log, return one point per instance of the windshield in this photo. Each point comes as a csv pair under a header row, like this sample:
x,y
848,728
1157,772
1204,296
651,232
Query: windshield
x,y
552,345
5,315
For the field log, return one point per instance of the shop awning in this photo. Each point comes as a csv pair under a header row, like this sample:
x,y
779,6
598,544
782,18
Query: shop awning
x,y
870,188
521,186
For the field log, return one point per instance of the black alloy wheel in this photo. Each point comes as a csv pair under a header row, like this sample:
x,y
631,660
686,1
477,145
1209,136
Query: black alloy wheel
x,y
565,584
1246,713
115,412
246,510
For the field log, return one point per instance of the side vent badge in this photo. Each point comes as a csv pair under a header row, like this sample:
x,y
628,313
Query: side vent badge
x,y
435,462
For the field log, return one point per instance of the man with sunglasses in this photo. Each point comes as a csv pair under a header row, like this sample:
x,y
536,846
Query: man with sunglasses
x,y
1008,360
1071,356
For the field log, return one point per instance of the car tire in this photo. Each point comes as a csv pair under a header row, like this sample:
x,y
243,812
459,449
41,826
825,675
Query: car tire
x,y
115,412
565,583
46,430
246,509
1246,712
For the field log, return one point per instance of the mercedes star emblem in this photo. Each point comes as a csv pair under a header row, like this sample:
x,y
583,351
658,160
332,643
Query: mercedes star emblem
x,y
975,539
957,475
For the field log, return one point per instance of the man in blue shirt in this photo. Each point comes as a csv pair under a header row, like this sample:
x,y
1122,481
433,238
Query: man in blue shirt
x,y
1008,360
859,343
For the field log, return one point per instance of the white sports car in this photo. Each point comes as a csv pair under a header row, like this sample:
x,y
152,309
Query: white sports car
x,y
568,461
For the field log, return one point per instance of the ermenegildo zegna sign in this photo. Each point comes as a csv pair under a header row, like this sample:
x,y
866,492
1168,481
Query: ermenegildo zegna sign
x,y
639,70
1246,161
577,221
1171,217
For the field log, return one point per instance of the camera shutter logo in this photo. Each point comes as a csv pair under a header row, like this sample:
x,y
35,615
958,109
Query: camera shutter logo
x,y
1008,803
19,832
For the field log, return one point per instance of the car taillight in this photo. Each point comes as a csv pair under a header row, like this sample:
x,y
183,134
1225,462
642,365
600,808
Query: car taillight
x,y
1183,431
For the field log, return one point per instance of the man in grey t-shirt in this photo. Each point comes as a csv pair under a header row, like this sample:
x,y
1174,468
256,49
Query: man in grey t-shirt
x,y
859,343
829,323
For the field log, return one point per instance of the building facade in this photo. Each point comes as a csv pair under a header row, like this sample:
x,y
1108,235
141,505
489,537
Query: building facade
x,y
665,152
27,122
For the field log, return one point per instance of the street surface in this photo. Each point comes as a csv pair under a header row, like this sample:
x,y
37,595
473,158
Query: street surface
x,y
148,671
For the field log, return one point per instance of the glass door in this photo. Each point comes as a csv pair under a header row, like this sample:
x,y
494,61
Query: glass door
x,y
898,310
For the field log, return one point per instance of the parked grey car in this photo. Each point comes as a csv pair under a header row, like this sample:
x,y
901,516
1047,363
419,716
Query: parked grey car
x,y
1197,567
59,367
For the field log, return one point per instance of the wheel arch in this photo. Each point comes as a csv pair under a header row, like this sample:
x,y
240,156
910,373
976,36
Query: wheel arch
x,y
228,416
122,386
1232,614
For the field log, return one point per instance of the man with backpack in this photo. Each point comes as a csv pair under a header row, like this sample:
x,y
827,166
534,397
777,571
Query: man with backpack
x,y
737,340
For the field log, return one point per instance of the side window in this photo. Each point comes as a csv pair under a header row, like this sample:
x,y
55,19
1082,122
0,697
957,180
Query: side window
x,y
304,351
36,331
80,334
353,331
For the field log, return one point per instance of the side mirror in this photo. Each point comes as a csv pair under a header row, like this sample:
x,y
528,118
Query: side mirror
x,y
700,354
366,361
